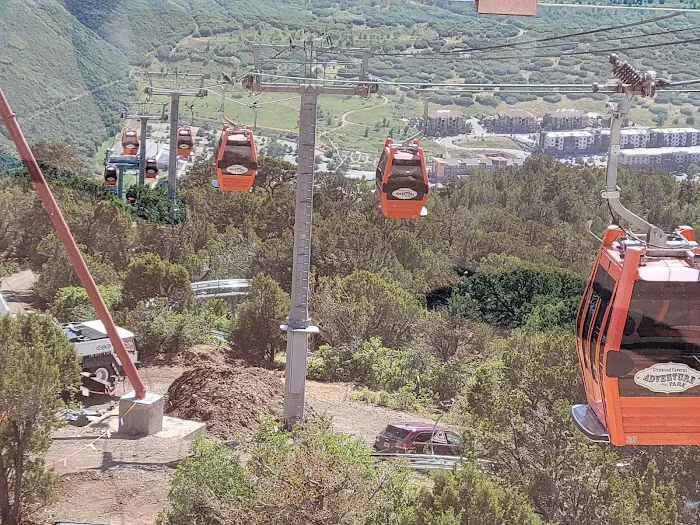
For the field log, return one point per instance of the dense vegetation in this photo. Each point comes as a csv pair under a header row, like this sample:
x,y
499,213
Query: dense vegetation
x,y
97,41
468,308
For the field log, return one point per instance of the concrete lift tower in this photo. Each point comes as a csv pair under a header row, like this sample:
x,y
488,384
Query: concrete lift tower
x,y
299,325
175,91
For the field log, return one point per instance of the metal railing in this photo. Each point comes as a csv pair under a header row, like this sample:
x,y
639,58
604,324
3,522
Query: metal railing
x,y
220,288
431,461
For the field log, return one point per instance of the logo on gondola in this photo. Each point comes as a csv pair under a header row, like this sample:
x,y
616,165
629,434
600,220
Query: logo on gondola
x,y
668,378
405,194
236,169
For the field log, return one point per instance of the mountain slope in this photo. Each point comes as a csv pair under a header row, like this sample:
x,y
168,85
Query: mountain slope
x,y
135,26
63,81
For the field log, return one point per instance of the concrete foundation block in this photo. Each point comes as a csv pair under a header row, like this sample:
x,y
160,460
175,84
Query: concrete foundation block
x,y
141,416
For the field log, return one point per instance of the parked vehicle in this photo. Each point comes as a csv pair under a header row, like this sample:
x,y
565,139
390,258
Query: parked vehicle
x,y
102,367
418,438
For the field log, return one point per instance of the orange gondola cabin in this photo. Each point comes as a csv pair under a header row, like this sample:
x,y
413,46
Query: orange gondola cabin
x,y
111,175
185,142
638,342
236,160
130,141
402,180
151,169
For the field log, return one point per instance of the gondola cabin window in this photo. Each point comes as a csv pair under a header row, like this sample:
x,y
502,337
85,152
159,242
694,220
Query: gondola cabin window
x,y
661,341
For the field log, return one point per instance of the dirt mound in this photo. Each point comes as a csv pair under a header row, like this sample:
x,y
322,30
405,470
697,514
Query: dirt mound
x,y
229,399
202,355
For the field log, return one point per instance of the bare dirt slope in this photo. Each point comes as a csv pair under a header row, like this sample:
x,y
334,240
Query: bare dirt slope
x,y
126,482
17,290
353,417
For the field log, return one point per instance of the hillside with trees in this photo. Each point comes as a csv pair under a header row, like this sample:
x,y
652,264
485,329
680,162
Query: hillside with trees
x,y
99,43
469,308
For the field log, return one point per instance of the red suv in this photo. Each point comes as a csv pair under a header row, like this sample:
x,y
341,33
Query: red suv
x,y
417,438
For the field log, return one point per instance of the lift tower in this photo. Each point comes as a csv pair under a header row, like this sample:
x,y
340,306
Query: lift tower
x,y
175,91
143,112
299,325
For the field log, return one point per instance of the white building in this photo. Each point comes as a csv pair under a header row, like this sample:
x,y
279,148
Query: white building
x,y
666,158
676,137
567,141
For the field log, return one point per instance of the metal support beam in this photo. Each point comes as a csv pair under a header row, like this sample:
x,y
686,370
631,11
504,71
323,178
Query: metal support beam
x,y
142,151
655,235
174,95
120,183
172,159
299,324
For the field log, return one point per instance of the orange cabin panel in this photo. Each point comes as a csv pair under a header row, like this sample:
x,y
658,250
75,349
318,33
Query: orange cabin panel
x,y
130,141
236,159
638,342
185,142
402,181
507,7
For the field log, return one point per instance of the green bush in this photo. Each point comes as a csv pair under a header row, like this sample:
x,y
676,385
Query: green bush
x,y
307,475
8,268
160,329
410,376
149,276
403,399
72,303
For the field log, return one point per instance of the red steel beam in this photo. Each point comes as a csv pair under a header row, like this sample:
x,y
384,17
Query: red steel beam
x,y
69,243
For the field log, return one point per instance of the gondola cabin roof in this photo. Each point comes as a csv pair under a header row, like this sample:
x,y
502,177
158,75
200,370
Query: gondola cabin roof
x,y
661,269
680,267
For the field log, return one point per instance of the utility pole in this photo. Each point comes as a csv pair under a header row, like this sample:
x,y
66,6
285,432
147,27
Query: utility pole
x,y
175,92
143,112
299,325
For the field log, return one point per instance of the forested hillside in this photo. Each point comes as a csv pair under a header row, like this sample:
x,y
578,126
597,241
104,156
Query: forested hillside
x,y
62,79
472,304
97,39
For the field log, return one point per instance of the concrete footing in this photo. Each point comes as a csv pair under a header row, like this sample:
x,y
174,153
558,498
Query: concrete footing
x,y
141,416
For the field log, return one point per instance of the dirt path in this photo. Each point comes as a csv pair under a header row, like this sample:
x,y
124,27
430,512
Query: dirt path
x,y
17,290
344,122
344,117
126,482
113,497
353,417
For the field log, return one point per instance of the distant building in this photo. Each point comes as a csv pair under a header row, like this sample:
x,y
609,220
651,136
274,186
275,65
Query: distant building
x,y
567,142
671,158
565,119
512,121
445,123
629,138
447,169
675,137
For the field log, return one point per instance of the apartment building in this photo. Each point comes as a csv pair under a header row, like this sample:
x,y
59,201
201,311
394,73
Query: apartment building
x,y
567,142
671,158
565,119
512,121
